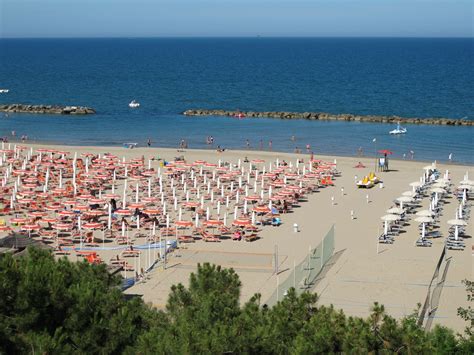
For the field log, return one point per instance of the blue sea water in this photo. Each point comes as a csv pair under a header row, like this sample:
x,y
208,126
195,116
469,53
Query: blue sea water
x,y
405,77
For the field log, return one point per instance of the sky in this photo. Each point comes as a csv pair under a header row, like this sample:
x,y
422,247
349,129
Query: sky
x,y
223,18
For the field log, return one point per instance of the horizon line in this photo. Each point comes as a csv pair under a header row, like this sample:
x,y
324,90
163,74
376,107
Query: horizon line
x,y
236,37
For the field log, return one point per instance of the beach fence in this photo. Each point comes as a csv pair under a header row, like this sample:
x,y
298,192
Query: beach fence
x,y
304,275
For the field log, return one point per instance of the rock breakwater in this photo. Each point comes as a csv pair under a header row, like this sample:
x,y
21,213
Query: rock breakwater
x,y
47,109
324,116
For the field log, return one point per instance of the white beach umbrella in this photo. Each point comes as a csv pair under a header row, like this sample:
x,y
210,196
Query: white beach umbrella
x,y
415,184
390,218
466,182
395,210
404,199
423,221
438,190
465,187
409,193
456,223
424,213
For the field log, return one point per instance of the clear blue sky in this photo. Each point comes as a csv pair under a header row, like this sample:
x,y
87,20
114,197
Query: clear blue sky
x,y
136,18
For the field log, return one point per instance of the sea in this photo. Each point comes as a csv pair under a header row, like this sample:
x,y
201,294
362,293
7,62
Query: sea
x,y
410,77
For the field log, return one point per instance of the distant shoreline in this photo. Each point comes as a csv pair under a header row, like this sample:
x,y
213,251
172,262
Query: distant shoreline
x,y
141,149
324,116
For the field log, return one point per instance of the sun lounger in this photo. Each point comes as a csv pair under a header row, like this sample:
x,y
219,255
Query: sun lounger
x,y
386,239
455,247
117,262
91,245
433,234
128,267
207,237
186,239
250,237
60,251
423,243
130,253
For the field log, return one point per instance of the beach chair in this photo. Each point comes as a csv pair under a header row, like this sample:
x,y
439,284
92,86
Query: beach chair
x,y
386,239
454,247
250,237
423,243
186,239
276,222
208,237
60,251
130,253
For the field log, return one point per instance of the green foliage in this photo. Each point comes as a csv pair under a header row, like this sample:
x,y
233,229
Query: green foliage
x,y
51,306
468,313
55,306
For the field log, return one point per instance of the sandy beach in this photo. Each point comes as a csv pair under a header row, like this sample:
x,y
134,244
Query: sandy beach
x,y
362,270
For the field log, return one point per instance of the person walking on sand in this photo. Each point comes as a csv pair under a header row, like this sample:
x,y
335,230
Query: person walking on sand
x,y
247,143
148,142
450,157
270,145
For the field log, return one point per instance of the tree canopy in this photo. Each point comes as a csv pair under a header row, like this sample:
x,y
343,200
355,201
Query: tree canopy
x,y
57,306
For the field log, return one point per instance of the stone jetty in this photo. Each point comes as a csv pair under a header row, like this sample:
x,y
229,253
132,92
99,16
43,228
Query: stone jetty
x,y
324,116
47,109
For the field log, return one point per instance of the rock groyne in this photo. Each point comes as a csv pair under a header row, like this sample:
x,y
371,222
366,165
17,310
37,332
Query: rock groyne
x,y
47,109
314,116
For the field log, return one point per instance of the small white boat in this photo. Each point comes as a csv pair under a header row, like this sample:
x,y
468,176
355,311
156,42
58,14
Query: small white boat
x,y
4,91
134,104
398,130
